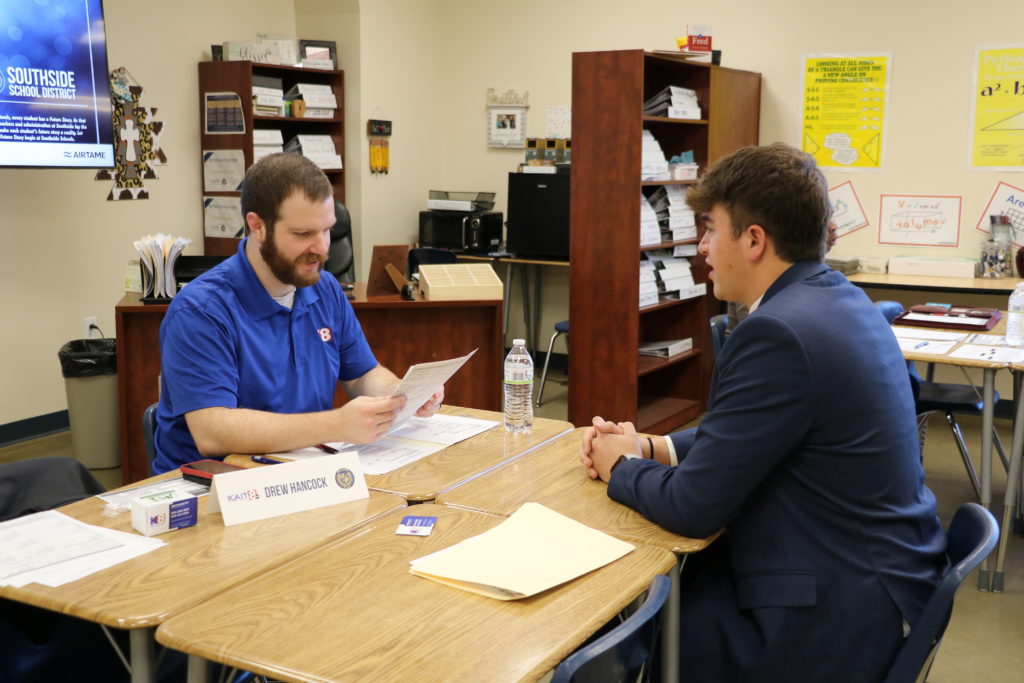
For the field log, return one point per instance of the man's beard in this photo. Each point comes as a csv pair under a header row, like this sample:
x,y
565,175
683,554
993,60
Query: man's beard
x,y
288,271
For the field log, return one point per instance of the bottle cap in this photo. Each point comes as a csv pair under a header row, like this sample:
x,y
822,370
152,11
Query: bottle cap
x,y
518,342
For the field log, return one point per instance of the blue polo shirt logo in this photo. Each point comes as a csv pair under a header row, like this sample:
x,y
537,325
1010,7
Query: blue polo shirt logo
x,y
325,334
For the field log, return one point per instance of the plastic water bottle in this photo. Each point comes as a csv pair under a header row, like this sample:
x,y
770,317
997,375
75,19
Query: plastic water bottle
x,y
518,389
1015,317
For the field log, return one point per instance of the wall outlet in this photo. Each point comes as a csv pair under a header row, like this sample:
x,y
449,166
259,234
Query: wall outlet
x,y
87,323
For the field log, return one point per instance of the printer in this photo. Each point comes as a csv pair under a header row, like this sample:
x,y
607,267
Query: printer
x,y
461,221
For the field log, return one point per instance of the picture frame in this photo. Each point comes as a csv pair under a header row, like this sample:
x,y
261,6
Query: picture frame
x,y
312,54
506,125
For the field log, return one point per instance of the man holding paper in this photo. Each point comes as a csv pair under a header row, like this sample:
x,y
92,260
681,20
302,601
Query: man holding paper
x,y
252,350
808,454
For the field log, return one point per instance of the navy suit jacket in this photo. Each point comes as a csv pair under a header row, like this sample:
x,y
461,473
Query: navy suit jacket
x,y
808,456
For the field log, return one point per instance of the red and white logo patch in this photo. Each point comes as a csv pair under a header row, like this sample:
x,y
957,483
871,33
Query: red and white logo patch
x,y
325,334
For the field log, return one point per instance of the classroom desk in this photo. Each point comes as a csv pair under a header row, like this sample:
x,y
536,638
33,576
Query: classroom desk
x,y
553,476
988,369
351,611
194,565
401,333
963,285
1013,480
423,480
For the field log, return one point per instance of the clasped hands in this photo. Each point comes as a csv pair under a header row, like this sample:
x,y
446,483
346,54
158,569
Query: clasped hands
x,y
603,444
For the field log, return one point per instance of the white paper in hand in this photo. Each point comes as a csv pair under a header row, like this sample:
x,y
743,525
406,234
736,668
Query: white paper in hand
x,y
422,380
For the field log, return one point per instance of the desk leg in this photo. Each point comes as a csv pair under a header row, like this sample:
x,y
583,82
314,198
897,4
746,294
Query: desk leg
x,y
670,627
987,415
535,332
143,646
198,669
1012,483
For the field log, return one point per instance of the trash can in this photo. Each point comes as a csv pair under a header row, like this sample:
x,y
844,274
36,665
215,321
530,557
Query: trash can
x,y
89,367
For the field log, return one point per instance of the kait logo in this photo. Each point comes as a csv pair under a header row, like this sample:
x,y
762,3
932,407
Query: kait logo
x,y
325,334
344,478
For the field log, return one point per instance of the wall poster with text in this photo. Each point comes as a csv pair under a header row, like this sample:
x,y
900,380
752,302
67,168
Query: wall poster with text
x,y
921,220
845,105
997,109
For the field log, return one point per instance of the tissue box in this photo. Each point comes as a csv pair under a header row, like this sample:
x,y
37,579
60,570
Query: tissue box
x,y
936,267
157,513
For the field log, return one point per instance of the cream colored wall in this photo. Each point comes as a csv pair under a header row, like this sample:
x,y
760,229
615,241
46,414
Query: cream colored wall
x,y
65,247
426,65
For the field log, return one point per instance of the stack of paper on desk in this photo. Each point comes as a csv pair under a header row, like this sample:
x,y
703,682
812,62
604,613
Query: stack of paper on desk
x,y
533,550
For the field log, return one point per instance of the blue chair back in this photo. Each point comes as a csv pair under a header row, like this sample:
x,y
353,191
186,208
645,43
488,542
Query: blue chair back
x,y
718,325
148,431
970,538
890,309
623,652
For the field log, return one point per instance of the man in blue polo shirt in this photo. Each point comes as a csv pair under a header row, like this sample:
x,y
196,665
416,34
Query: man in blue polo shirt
x,y
251,351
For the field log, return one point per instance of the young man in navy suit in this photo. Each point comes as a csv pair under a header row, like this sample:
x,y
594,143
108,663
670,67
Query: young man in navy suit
x,y
807,457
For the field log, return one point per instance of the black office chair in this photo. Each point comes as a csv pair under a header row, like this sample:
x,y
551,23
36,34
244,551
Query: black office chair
x,y
560,329
624,653
341,262
428,255
948,399
718,324
148,431
970,538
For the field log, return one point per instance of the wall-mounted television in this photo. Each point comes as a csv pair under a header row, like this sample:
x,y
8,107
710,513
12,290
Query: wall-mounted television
x,y
54,89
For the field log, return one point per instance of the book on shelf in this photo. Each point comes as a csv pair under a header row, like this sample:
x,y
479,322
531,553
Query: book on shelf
x,y
317,148
313,94
650,228
653,165
674,102
267,136
157,256
665,349
260,151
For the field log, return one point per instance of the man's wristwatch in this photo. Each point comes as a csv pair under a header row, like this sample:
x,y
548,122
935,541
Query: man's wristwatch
x,y
623,458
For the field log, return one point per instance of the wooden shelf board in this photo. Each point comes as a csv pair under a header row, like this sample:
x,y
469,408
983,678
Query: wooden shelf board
x,y
667,303
656,183
668,245
659,414
296,119
648,364
665,119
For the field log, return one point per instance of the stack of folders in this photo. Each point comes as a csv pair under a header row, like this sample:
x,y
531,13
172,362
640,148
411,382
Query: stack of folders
x,y
266,141
267,96
318,101
648,284
157,256
675,219
653,165
673,102
650,228
317,148
844,266
665,349
673,277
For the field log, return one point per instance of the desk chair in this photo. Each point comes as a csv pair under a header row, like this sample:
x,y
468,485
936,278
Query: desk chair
x,y
970,538
948,399
148,431
718,324
622,654
428,255
341,262
560,329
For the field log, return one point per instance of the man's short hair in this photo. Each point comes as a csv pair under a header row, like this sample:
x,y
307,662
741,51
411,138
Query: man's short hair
x,y
274,178
777,187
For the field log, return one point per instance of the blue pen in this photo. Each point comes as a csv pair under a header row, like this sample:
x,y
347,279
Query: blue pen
x,y
265,461
924,343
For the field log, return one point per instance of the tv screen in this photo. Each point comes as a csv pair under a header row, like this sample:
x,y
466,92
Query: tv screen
x,y
54,89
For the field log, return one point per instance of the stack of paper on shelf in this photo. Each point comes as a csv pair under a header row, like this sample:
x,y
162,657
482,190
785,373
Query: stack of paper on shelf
x,y
675,103
648,284
674,278
157,255
665,349
266,141
534,550
653,165
676,219
317,148
267,96
318,100
650,230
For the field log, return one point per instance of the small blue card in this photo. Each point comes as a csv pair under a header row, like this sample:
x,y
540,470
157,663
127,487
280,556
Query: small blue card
x,y
412,525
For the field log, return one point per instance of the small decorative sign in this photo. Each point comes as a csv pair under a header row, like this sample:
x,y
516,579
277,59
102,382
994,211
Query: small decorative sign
x,y
263,492
506,118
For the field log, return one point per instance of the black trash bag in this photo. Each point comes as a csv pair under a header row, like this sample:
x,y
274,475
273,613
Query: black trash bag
x,y
88,357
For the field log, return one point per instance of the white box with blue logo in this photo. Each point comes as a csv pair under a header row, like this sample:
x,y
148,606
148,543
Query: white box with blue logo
x,y
157,513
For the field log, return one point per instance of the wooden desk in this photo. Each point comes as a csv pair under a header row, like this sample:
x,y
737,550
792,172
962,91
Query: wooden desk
x,y
386,624
401,333
965,285
195,564
424,480
1013,479
553,476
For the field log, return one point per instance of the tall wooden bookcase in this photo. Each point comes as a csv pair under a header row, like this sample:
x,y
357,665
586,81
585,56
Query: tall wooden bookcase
x,y
237,77
607,376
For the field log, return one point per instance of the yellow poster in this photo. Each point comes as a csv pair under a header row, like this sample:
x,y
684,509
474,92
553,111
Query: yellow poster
x,y
844,112
997,117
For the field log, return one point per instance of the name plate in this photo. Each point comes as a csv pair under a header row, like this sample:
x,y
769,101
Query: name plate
x,y
272,490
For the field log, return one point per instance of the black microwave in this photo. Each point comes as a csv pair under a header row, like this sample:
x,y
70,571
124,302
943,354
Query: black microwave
x,y
477,232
